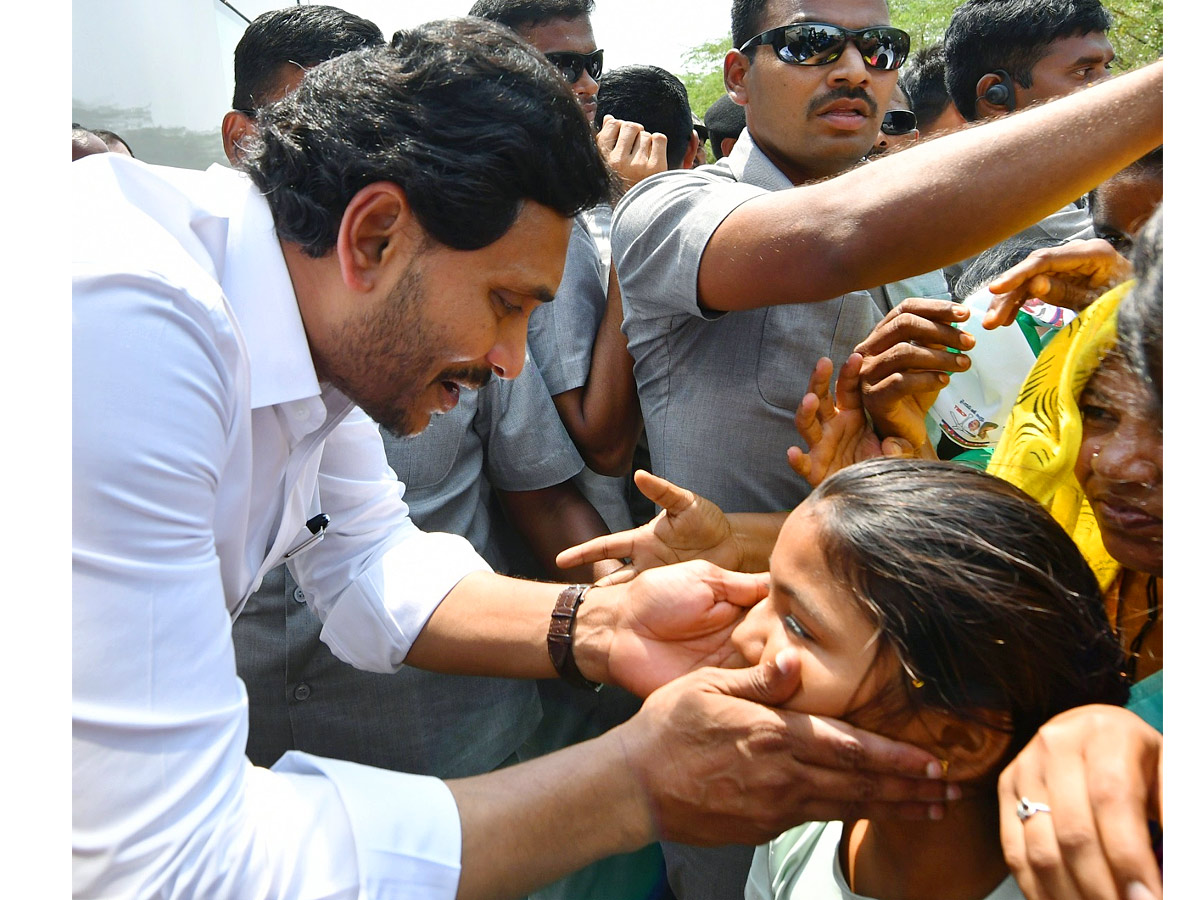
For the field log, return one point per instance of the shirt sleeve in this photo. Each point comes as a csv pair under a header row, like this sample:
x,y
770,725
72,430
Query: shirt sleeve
x,y
164,802
562,333
376,578
660,230
527,448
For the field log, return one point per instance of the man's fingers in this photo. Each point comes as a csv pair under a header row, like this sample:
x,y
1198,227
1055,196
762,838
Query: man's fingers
x,y
739,588
658,152
800,463
606,138
606,546
627,139
847,389
833,744
808,424
623,575
668,495
910,328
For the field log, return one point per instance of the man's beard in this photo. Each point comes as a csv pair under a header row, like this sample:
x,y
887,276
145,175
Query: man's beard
x,y
382,359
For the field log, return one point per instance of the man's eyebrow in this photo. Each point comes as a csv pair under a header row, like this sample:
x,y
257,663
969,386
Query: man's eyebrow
x,y
807,608
544,295
1090,58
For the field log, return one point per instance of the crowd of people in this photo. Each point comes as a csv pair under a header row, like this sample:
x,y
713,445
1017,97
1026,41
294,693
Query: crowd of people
x,y
503,480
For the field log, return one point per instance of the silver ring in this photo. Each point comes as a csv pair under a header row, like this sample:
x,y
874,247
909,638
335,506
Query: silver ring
x,y
1027,809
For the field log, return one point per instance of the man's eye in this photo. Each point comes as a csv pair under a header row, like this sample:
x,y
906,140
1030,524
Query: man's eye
x,y
794,626
1119,242
505,306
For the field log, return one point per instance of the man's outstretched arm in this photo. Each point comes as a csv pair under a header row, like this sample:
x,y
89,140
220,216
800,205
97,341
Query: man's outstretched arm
x,y
931,205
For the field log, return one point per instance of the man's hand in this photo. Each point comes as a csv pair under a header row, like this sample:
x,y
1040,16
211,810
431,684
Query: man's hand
x,y
631,151
1071,275
836,430
905,361
688,527
720,765
663,624
1099,769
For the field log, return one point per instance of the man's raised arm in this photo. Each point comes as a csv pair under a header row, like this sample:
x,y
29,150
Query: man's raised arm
x,y
931,205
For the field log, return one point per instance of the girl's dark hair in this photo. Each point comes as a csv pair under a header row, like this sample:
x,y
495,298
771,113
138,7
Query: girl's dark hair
x,y
979,592
462,114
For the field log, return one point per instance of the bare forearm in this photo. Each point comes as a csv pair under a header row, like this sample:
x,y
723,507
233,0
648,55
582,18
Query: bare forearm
x,y
755,534
489,625
933,204
551,520
603,416
530,824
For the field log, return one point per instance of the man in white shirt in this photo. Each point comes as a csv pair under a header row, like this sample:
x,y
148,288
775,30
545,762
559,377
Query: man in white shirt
x,y
408,210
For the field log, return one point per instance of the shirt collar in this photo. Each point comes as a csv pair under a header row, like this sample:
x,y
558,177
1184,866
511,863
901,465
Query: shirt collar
x,y
750,165
259,288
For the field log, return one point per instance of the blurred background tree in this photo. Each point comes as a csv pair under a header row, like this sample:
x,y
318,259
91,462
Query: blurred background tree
x,y
1136,35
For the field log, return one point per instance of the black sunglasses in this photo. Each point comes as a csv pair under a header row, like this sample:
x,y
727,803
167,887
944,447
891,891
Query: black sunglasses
x,y
573,65
818,44
898,121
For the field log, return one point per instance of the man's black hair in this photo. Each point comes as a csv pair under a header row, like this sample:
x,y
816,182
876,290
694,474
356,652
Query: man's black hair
x,y
652,97
462,114
747,20
923,80
303,35
725,119
1013,35
518,14
110,138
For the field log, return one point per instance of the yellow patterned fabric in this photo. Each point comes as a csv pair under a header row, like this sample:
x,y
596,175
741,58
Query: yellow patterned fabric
x,y
1041,438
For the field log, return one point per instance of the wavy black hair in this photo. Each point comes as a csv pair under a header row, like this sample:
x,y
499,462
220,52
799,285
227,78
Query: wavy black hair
x,y
517,14
462,114
983,597
652,97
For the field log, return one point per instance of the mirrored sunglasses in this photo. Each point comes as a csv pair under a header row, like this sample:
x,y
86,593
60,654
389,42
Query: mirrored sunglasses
x,y
819,44
898,121
573,65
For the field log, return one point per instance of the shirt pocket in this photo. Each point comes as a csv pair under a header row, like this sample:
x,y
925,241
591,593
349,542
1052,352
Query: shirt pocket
x,y
796,335
426,459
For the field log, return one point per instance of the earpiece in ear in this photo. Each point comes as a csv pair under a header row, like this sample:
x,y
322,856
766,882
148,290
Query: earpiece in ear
x,y
1002,94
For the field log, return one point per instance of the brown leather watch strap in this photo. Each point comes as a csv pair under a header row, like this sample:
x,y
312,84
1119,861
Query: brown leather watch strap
x,y
560,638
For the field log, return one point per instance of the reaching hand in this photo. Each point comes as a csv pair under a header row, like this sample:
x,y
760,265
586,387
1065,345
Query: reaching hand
x,y
689,527
837,432
905,361
631,151
722,765
1071,275
1099,770
663,624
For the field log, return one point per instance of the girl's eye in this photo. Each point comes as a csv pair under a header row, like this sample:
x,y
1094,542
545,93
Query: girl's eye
x,y
794,626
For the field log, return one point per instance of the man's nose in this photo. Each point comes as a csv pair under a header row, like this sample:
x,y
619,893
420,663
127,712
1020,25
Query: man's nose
x,y
507,356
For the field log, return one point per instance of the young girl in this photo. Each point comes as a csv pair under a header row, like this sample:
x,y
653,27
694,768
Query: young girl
x,y
940,606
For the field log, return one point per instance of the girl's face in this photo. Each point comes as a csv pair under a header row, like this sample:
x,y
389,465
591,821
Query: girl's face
x,y
1120,465
809,609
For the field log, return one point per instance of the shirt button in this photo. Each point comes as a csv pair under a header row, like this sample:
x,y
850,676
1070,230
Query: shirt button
x,y
302,692
299,596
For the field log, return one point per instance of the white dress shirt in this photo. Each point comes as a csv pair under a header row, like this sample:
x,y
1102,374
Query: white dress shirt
x,y
202,443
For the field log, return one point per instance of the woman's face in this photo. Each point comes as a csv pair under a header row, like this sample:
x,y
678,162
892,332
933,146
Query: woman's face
x,y
809,609
1120,465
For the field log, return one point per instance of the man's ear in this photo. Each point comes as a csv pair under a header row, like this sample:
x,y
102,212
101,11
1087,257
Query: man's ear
x,y
971,748
984,108
378,229
693,147
234,128
737,65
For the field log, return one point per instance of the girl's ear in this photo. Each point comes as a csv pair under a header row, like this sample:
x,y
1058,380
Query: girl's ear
x,y
969,748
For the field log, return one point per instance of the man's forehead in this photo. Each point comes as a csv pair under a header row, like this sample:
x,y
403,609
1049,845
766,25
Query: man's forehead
x,y
558,35
847,13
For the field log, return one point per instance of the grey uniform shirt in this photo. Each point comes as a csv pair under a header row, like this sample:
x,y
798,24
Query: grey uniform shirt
x,y
561,336
719,391
507,434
